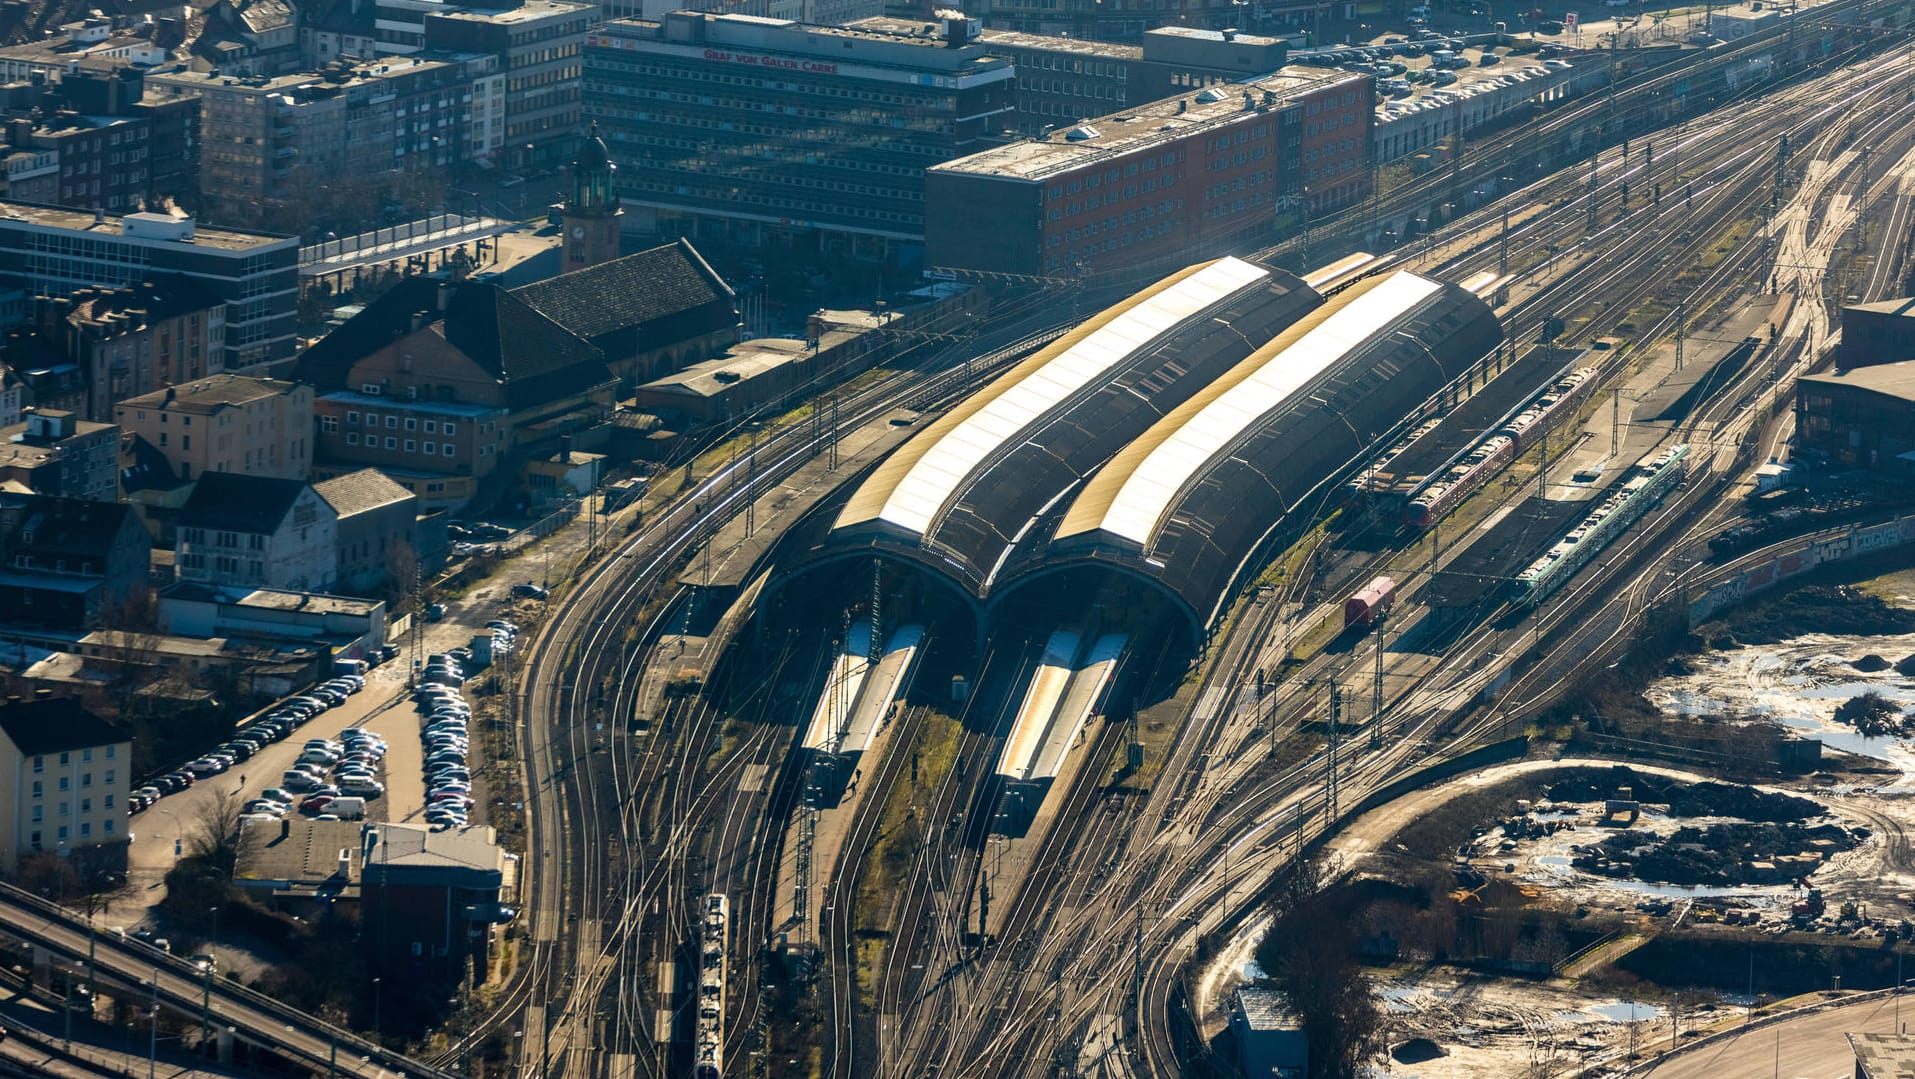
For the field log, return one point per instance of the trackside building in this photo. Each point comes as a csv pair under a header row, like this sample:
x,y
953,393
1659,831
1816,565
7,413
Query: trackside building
x,y
1182,176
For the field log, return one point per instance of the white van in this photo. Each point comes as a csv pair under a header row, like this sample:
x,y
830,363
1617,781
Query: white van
x,y
347,808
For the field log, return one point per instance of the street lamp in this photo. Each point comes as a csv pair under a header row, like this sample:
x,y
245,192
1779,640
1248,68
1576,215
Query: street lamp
x,y
378,1027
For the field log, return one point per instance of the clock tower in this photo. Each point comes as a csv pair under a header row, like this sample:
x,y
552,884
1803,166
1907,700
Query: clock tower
x,y
591,218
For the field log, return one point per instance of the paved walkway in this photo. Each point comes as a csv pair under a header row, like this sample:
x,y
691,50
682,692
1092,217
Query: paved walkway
x,y
1812,1047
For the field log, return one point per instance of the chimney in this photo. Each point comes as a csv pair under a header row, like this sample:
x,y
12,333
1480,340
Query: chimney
x,y
169,395
345,863
565,448
419,320
445,294
99,218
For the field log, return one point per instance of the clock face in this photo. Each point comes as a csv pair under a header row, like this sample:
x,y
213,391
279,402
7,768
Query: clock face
x,y
578,232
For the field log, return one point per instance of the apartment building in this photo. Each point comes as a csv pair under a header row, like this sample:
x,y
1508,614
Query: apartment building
x,y
227,423
67,772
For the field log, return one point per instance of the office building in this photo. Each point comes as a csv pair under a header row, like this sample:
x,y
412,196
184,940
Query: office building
x,y
766,130
1062,80
55,252
537,44
1176,179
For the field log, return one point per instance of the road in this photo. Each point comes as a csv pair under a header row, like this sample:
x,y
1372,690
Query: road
x,y
1810,1047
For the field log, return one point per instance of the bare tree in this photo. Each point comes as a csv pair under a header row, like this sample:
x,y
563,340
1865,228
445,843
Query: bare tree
x,y
1310,953
214,830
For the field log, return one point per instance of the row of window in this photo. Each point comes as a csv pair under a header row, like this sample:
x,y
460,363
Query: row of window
x,y
35,843
1114,175
66,758
392,422
86,780
66,807
430,449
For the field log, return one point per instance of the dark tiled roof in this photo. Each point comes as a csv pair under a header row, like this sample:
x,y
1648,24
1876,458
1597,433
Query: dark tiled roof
x,y
55,724
537,359
239,503
74,526
328,363
356,492
635,291
161,296
143,467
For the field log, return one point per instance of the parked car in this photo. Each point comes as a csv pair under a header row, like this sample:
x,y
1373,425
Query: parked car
x,y
528,590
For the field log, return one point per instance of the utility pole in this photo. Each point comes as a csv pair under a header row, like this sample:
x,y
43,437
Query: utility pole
x,y
1682,318
1594,159
832,464
1336,720
1376,691
1615,420
751,479
1861,198
1781,160
876,650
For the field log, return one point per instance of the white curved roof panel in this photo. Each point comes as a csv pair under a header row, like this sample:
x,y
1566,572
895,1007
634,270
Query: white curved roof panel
x,y
1149,491
931,482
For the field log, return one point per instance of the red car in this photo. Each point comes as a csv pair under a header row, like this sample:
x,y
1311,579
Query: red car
x,y
316,804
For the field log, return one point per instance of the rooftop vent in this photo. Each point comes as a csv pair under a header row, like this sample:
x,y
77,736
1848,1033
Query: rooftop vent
x,y
1081,133
1210,96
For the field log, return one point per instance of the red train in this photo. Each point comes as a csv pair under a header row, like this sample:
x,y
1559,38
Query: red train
x,y
1369,603
1464,477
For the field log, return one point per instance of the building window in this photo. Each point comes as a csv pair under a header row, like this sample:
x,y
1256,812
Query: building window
x,y
109,752
108,826
39,764
448,449
432,449
392,443
392,422
86,756
38,813
65,759
86,805
86,779
448,428
329,424
33,841
37,790
86,829
352,419
412,424
63,783
432,426
108,802
412,446
352,438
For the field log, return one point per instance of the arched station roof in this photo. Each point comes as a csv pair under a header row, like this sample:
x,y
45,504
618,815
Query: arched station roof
x,y
961,494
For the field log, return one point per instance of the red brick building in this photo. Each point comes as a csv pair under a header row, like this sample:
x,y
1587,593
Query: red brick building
x,y
1175,179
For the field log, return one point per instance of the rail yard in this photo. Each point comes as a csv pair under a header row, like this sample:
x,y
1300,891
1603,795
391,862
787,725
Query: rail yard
x,y
1084,627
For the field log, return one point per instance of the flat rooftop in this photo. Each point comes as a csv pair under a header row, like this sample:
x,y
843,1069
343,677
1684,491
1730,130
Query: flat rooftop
x,y
388,67
57,217
1148,125
526,12
1888,379
1009,39
1883,1056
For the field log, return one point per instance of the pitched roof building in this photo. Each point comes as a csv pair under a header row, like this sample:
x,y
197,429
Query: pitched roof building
x,y
227,423
64,774
438,384
650,313
377,528
247,531
65,562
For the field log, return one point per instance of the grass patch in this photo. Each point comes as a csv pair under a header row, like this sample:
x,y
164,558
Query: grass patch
x,y
894,846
